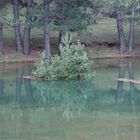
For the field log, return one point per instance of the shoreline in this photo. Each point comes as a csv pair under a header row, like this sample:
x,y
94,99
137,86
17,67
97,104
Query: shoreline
x,y
96,58
17,62
118,57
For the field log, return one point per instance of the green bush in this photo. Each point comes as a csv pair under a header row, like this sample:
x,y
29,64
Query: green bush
x,y
73,62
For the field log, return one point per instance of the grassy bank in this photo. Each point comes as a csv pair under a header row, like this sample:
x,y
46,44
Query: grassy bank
x,y
101,41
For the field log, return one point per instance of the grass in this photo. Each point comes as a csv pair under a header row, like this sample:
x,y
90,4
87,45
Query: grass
x,y
103,32
14,59
106,31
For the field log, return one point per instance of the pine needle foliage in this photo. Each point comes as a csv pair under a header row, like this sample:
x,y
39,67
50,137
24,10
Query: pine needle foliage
x,y
72,63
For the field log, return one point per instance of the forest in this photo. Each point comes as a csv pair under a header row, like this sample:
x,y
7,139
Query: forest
x,y
48,20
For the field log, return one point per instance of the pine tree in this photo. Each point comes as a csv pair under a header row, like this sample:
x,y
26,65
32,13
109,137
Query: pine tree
x,y
27,28
70,16
17,25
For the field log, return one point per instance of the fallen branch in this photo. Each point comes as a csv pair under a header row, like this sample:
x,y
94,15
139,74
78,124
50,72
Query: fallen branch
x,y
128,80
34,78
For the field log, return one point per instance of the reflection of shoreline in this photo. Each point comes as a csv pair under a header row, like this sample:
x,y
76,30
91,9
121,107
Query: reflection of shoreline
x,y
90,96
99,116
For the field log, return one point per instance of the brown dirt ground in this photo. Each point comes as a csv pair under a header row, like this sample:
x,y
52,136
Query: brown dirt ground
x,y
10,55
97,50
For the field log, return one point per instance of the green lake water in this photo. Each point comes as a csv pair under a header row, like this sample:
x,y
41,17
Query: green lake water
x,y
98,109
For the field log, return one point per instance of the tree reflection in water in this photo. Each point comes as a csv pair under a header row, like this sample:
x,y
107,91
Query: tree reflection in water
x,y
19,73
27,83
45,105
120,84
124,66
1,83
120,93
69,96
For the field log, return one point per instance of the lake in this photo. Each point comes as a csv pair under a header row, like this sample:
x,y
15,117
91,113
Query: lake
x,y
98,109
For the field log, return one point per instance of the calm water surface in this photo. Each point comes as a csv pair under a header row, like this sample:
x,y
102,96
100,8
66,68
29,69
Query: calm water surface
x,y
99,109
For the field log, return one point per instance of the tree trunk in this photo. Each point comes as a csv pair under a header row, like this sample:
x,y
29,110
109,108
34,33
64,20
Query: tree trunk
x,y
59,40
1,39
132,27
27,29
46,31
61,22
17,26
121,33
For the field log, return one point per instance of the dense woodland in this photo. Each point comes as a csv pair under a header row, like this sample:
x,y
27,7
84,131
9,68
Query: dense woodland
x,y
65,16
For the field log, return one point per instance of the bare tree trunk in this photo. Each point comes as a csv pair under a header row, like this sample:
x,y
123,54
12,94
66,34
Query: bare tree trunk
x,y
59,40
61,22
27,29
121,33
1,39
46,31
132,27
17,25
